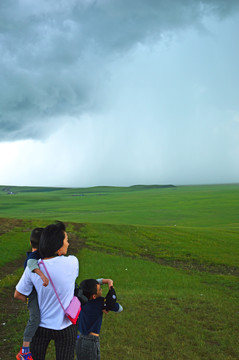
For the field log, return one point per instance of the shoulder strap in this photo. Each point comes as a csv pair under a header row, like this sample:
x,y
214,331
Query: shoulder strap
x,y
42,262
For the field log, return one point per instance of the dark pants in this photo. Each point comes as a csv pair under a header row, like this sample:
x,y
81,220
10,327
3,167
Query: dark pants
x,y
65,341
88,347
34,316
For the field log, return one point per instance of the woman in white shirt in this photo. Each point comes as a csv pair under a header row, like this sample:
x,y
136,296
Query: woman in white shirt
x,y
54,325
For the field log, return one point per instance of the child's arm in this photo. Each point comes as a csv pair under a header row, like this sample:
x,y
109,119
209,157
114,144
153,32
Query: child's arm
x,y
42,276
110,303
118,308
33,266
105,281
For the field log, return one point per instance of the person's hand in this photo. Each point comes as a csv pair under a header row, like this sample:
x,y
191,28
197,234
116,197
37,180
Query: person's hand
x,y
45,281
105,311
110,283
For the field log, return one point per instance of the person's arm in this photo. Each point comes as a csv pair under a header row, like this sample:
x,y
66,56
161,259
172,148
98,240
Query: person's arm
x,y
33,266
24,286
102,281
42,276
118,308
19,296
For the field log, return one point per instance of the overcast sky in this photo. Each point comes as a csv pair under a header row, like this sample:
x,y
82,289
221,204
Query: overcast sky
x,y
119,92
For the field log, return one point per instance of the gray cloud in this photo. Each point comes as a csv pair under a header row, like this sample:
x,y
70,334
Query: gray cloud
x,y
54,55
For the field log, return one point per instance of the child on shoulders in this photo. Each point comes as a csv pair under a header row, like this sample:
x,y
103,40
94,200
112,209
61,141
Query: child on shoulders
x,y
32,302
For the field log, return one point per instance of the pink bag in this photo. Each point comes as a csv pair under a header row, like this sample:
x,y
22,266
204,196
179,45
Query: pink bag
x,y
74,308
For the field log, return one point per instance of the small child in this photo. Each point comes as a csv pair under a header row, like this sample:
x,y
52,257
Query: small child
x,y
90,319
33,307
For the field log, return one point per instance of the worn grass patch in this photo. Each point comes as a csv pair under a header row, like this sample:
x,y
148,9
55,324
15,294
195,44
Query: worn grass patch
x,y
207,249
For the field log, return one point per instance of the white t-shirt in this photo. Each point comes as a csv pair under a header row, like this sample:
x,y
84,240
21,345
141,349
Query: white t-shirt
x,y
63,271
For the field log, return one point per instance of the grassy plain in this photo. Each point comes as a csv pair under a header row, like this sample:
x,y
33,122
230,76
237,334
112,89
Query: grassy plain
x,y
201,206
172,252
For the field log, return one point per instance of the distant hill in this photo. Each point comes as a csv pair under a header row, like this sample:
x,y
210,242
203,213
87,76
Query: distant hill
x,y
147,187
93,189
16,189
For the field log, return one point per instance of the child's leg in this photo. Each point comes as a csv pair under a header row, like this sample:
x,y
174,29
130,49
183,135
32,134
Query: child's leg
x,y
34,318
88,347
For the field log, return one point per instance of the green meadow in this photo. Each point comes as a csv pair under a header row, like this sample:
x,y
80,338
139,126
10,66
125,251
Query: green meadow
x,y
172,252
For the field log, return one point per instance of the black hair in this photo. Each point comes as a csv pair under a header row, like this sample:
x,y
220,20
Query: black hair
x,y
35,237
89,287
52,238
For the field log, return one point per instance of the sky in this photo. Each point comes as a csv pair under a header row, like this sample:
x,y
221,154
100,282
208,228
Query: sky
x,y
119,92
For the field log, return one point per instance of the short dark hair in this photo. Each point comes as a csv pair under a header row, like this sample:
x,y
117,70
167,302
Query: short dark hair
x,y
89,287
52,238
35,237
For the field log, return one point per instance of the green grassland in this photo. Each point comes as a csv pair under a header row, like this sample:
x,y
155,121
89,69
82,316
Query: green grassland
x,y
172,252
200,206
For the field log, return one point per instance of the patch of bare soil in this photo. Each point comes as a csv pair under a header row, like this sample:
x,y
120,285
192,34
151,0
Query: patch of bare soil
x,y
76,243
193,265
7,225
11,266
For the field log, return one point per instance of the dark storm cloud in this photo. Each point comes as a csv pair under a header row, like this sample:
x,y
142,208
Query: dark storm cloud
x,y
54,54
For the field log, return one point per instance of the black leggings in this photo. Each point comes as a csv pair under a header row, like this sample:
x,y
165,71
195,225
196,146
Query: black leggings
x,y
65,341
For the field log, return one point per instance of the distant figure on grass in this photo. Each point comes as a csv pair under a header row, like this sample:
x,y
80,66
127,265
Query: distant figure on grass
x,y
54,324
32,303
90,319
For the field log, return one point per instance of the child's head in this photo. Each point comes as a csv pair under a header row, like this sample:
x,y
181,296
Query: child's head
x,y
35,237
91,288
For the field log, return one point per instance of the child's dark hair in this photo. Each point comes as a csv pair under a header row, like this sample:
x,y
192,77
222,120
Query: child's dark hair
x,y
52,238
35,237
89,287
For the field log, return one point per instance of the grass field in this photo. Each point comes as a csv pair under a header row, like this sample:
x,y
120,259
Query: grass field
x,y
184,206
172,252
